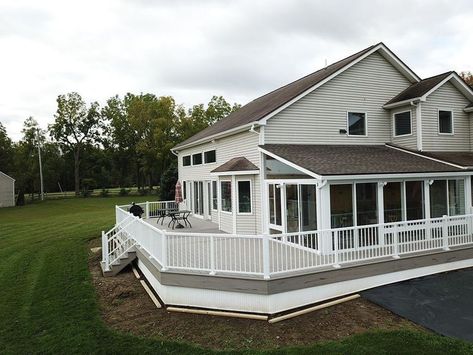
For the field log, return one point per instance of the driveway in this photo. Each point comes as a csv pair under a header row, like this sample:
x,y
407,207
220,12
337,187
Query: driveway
x,y
442,302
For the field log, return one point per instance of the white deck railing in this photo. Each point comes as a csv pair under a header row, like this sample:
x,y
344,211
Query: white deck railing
x,y
270,255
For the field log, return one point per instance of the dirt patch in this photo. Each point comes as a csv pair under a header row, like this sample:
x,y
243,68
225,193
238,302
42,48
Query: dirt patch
x,y
126,307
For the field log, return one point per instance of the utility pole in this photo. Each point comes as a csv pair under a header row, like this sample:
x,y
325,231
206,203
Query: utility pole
x,y
40,165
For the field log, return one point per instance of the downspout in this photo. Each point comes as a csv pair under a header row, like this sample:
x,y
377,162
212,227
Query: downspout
x,y
418,107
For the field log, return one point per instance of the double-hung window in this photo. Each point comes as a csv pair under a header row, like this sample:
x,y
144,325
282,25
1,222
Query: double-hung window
x,y
210,157
186,160
356,122
197,159
445,122
402,123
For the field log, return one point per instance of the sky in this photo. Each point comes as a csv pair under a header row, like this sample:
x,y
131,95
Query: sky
x,y
192,50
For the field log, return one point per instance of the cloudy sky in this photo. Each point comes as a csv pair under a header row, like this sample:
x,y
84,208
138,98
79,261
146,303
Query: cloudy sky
x,y
195,49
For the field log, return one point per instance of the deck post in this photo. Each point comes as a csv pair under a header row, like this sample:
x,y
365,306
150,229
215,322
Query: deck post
x,y
147,210
105,256
396,241
164,253
445,232
336,246
266,256
212,255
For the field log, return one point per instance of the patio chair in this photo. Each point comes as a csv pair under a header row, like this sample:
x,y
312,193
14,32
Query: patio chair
x,y
181,217
161,216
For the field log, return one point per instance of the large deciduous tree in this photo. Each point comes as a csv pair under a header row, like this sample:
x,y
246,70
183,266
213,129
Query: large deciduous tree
x,y
468,77
6,151
75,126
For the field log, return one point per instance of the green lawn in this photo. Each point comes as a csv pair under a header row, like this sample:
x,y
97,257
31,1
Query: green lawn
x,y
48,304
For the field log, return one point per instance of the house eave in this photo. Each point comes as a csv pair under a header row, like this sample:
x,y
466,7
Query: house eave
x,y
240,172
220,135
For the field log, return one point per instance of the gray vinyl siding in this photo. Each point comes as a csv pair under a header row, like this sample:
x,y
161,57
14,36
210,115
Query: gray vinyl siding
x,y
7,188
318,117
447,97
407,141
243,144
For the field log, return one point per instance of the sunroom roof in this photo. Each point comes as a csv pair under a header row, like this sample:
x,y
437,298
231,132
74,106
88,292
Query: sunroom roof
x,y
327,160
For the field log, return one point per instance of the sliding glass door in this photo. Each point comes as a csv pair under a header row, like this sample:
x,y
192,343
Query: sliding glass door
x,y
198,198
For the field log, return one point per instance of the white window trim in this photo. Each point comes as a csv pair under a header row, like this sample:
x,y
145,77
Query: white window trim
x,y
192,158
187,155
231,198
238,197
366,124
438,122
214,192
203,157
394,124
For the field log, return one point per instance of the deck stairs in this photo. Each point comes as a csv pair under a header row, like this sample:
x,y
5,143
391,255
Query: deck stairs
x,y
118,248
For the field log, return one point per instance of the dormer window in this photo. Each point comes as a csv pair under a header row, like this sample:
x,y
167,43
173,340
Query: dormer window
x,y
445,122
402,123
356,123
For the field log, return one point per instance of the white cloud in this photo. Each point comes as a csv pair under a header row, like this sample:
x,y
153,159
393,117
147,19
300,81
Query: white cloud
x,y
195,49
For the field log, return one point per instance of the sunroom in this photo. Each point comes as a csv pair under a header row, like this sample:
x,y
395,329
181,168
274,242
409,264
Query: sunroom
x,y
335,187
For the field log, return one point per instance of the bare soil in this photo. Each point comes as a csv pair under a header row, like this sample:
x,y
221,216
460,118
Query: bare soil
x,y
126,307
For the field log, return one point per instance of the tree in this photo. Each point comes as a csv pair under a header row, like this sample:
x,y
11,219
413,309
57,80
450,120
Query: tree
x,y
468,77
6,151
75,126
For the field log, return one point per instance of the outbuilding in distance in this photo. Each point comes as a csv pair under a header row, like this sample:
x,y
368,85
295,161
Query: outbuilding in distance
x,y
7,190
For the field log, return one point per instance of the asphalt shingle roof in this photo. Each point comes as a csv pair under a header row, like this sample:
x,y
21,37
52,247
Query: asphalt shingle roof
x,y
356,159
236,164
262,106
419,89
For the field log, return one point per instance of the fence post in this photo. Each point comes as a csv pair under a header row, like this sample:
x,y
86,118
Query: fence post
x,y
337,261
212,255
147,209
105,256
164,252
445,232
266,260
396,241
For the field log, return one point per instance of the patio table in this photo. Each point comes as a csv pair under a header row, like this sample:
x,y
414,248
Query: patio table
x,y
176,217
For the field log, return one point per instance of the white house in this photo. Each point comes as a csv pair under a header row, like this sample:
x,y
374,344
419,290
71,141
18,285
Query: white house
x,y
7,190
356,175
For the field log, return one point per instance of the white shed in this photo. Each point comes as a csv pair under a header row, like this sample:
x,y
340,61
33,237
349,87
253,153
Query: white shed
x,y
7,190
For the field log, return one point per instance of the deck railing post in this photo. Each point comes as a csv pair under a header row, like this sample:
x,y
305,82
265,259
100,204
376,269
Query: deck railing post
x,y
336,246
266,257
164,252
147,210
105,256
212,255
445,232
396,241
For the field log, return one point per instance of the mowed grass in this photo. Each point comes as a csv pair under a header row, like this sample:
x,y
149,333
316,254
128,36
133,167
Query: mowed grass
x,y
48,304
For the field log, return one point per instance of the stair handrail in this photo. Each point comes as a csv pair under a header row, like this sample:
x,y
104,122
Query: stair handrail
x,y
107,258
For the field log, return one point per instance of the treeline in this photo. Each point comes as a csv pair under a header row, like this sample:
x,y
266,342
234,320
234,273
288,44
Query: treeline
x,y
125,143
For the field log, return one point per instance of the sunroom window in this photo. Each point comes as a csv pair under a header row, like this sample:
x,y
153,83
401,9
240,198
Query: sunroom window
x,y
244,196
356,124
402,123
445,122
226,193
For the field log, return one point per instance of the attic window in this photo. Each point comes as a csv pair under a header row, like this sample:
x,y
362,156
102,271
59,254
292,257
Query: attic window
x,y
356,123
445,122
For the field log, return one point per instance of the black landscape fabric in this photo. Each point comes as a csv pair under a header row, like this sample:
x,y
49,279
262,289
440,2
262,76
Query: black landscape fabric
x,y
442,302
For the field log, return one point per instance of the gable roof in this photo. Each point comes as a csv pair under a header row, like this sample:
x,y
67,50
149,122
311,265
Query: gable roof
x,y
422,89
267,104
236,164
419,89
330,160
8,176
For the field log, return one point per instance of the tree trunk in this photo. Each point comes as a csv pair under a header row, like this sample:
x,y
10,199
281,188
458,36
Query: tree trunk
x,y
76,171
